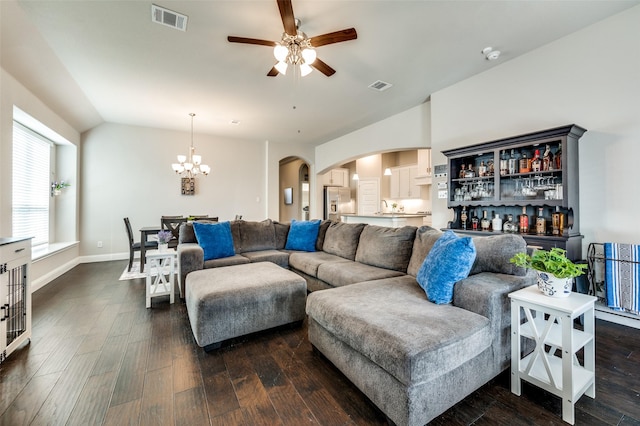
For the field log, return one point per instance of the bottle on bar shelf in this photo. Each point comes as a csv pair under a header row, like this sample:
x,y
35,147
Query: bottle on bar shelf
x,y
524,221
536,162
485,223
541,222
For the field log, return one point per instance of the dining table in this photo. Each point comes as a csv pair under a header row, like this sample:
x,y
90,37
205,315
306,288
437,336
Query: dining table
x,y
145,231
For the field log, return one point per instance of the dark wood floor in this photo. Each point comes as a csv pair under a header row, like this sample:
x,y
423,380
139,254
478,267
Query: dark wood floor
x,y
98,356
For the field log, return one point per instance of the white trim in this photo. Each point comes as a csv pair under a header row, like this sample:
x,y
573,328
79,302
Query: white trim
x,y
107,257
52,275
45,250
617,318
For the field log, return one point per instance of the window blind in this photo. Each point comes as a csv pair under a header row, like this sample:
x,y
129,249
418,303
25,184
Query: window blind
x,y
31,186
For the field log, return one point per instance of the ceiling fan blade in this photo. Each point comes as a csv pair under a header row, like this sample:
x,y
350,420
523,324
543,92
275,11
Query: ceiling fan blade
x,y
288,20
323,67
273,72
234,39
334,37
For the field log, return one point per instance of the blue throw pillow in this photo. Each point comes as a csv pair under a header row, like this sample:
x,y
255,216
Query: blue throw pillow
x,y
303,235
215,239
449,261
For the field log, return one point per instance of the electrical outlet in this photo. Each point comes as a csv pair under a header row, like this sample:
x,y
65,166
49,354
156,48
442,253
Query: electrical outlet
x,y
99,244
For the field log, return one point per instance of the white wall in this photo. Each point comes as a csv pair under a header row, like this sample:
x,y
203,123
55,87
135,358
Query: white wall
x,y
589,78
126,172
14,93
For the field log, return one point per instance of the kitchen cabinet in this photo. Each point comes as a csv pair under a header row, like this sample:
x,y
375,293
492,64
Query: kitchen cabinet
x,y
15,294
336,177
501,177
403,182
424,170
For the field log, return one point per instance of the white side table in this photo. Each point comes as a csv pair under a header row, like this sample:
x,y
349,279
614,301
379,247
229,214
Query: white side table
x,y
549,323
158,282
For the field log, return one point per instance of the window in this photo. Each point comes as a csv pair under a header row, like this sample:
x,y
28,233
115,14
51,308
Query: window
x,y
31,186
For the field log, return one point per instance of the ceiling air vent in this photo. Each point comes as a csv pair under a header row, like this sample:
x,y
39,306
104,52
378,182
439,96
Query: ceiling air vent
x,y
380,85
167,17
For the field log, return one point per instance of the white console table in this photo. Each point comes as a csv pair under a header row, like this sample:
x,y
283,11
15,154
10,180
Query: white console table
x,y
549,322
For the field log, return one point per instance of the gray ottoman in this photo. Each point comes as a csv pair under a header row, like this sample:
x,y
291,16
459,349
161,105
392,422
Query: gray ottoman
x,y
232,301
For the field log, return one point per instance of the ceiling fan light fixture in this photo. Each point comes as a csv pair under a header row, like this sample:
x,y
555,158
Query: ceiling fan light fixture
x,y
280,52
309,55
305,69
282,67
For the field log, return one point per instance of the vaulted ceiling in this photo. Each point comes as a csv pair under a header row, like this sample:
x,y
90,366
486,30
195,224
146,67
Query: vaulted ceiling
x,y
106,61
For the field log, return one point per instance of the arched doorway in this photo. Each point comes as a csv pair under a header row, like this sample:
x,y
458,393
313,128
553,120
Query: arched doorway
x,y
295,202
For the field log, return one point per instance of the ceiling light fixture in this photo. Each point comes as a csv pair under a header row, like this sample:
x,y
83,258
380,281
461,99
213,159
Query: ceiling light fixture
x,y
490,54
294,50
356,177
193,167
387,171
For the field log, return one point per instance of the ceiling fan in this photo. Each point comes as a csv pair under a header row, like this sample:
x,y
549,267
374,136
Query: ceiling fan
x,y
295,48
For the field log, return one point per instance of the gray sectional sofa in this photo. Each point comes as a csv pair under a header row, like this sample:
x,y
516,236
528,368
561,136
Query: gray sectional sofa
x,y
412,358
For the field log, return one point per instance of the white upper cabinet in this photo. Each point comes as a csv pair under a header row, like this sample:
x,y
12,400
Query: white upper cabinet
x,y
403,182
336,177
424,170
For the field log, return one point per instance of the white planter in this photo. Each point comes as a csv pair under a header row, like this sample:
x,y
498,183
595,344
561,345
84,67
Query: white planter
x,y
163,247
553,286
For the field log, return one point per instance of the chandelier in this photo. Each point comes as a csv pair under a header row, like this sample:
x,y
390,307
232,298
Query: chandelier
x,y
294,50
193,167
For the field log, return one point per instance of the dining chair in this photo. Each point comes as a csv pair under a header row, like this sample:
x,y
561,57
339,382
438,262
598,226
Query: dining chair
x,y
172,223
199,217
238,217
133,247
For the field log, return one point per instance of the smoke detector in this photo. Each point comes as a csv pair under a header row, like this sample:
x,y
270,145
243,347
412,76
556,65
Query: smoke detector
x,y
490,54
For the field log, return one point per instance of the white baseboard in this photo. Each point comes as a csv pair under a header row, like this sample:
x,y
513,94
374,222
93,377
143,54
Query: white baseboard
x,y
607,314
52,275
105,257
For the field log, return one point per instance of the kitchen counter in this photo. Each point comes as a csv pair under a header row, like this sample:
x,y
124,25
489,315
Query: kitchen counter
x,y
392,220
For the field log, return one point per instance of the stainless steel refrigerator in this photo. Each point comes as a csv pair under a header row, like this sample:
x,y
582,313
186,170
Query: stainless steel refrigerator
x,y
337,201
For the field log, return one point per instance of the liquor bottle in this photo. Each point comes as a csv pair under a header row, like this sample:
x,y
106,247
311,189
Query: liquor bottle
x,y
536,162
547,159
485,223
463,218
463,172
557,221
470,172
524,163
509,226
474,222
524,221
482,169
490,170
541,223
557,158
512,162
496,222
504,163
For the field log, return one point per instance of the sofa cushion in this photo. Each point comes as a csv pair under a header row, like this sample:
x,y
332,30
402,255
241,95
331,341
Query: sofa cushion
x,y
237,259
392,323
426,237
308,262
186,234
278,257
493,254
281,230
257,235
322,232
344,273
342,239
448,262
384,247
303,235
215,239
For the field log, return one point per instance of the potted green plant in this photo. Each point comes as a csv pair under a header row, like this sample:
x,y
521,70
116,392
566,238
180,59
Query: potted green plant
x,y
555,271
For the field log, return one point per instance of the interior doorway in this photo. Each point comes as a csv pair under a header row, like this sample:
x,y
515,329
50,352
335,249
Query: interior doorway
x,y
295,199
